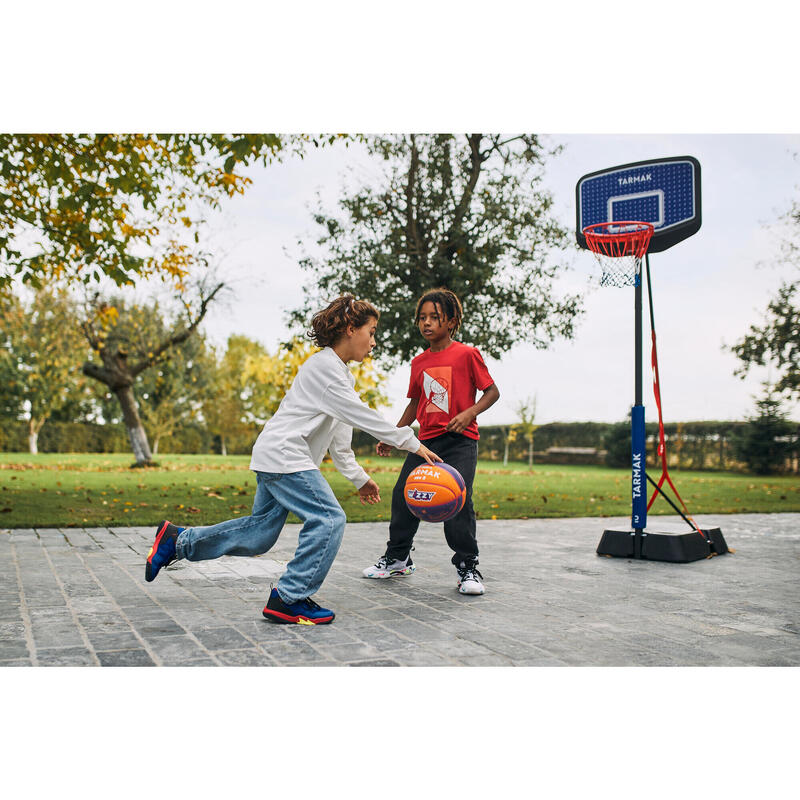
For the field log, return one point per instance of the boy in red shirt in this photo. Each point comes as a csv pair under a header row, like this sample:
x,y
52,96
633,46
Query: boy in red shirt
x,y
442,390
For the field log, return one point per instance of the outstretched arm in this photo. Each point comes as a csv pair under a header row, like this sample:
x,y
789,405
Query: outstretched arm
x,y
409,415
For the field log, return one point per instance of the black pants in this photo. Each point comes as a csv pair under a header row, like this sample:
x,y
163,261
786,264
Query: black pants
x,y
460,452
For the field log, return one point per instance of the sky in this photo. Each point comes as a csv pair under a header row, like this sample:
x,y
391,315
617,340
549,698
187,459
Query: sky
x,y
707,289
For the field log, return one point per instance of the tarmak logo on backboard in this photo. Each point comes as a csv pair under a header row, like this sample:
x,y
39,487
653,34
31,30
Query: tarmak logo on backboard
x,y
648,176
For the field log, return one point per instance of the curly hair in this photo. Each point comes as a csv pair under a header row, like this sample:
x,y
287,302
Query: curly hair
x,y
446,302
330,324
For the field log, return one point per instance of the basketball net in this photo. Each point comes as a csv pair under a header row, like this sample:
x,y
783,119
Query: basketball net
x,y
619,248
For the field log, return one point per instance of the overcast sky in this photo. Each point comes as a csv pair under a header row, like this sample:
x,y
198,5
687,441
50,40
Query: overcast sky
x,y
707,289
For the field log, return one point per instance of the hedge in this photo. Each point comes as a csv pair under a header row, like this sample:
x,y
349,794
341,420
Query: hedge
x,y
690,445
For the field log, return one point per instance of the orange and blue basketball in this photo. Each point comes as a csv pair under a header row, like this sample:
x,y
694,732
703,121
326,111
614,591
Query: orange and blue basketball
x,y
435,493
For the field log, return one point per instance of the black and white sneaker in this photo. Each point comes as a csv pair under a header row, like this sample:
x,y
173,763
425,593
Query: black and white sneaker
x,y
384,568
469,579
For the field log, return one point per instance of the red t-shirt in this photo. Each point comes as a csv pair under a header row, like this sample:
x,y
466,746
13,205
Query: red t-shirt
x,y
445,384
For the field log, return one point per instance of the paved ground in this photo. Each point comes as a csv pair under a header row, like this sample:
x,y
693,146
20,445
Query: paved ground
x,y
78,597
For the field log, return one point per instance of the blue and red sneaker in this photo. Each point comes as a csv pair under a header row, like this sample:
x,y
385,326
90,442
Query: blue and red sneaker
x,y
303,612
163,550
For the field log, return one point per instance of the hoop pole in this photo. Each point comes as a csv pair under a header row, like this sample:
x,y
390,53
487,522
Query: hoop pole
x,y
662,445
638,482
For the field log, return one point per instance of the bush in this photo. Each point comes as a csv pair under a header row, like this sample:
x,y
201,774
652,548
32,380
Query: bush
x,y
617,444
768,439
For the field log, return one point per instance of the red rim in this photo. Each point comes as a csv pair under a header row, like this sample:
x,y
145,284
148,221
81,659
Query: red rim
x,y
619,238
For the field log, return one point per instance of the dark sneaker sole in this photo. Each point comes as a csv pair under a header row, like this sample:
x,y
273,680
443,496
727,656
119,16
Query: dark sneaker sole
x,y
289,619
150,571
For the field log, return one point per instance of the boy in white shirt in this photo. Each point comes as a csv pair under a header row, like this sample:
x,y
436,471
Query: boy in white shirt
x,y
316,415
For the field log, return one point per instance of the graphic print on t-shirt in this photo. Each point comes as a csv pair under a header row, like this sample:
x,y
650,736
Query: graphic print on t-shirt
x,y
436,382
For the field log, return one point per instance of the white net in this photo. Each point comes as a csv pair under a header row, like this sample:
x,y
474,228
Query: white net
x,y
619,271
619,248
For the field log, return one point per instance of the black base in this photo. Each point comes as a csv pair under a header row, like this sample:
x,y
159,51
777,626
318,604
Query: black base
x,y
677,547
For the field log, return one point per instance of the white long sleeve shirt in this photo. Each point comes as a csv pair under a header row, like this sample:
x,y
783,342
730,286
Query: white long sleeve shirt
x,y
317,415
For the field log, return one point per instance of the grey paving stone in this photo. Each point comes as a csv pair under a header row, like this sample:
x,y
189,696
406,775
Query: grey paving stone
x,y
262,631
497,660
76,656
9,631
65,657
550,601
122,639
125,658
245,658
225,638
418,631
13,648
386,640
156,626
291,653
174,650
345,653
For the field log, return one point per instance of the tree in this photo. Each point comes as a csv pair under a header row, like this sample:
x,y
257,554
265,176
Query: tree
x,y
527,414
509,434
43,350
278,371
465,212
126,340
11,387
769,437
250,383
81,207
233,400
776,342
171,393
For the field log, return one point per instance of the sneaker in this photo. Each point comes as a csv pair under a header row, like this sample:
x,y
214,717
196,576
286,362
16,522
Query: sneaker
x,y
303,612
383,568
163,550
469,579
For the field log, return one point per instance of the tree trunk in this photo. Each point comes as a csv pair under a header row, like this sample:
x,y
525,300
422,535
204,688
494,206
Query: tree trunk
x,y
34,426
136,433
530,452
155,446
505,454
223,448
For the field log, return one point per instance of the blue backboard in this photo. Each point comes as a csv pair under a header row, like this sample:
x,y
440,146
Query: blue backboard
x,y
663,191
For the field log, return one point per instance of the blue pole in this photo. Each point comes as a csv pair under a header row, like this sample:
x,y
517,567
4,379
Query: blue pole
x,y
638,479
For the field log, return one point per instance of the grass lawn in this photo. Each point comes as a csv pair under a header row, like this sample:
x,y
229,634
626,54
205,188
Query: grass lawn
x,y
95,490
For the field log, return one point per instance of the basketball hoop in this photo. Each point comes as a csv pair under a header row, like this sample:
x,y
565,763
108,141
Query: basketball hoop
x,y
619,248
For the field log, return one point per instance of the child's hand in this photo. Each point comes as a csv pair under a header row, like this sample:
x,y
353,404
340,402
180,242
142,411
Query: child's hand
x,y
370,493
460,422
383,449
428,455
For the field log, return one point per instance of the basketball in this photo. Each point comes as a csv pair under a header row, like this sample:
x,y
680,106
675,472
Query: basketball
x,y
435,493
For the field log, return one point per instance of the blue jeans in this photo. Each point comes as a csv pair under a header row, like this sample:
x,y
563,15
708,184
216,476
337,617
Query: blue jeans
x,y
305,493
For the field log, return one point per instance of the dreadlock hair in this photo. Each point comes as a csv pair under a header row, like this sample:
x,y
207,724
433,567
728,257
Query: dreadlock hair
x,y
330,324
446,302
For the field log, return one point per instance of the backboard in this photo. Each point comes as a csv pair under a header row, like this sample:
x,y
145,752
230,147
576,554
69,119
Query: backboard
x,y
662,191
